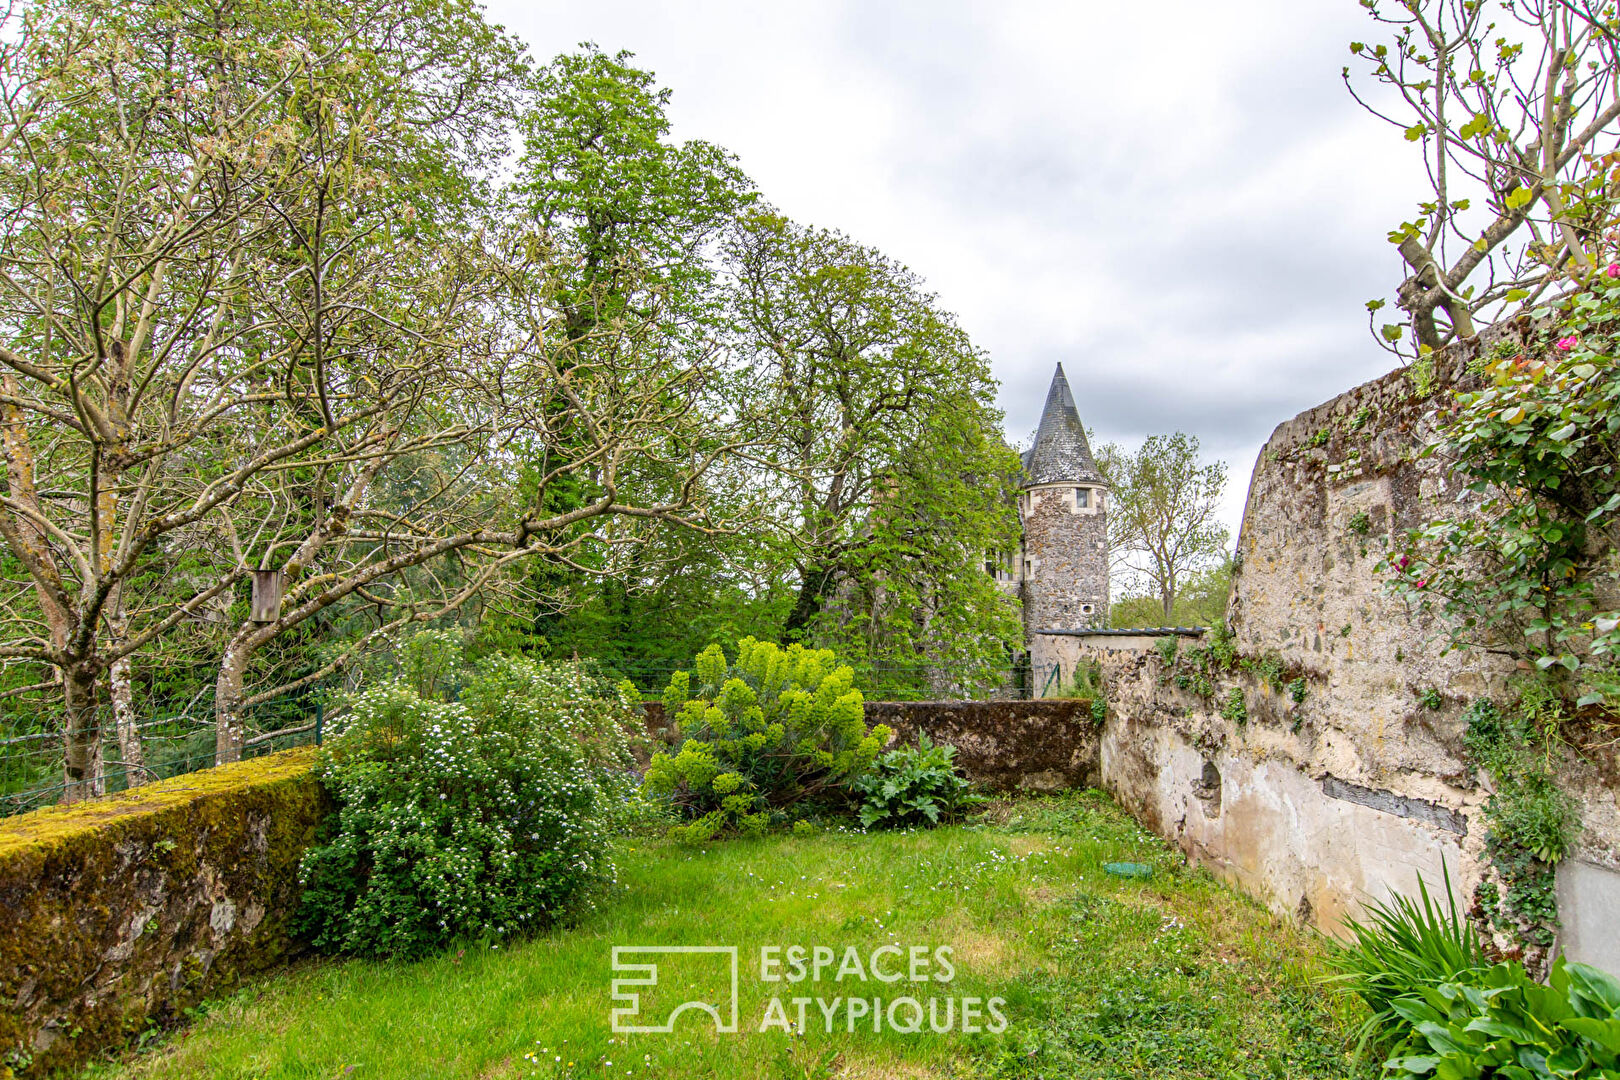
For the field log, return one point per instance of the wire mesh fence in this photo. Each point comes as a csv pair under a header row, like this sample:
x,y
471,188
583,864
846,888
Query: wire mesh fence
x,y
31,763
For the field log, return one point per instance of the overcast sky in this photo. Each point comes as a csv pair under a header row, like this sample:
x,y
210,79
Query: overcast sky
x,y
1176,199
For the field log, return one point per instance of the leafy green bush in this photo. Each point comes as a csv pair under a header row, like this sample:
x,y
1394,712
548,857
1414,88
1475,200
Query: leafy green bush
x,y
1503,1023
914,784
480,818
1405,948
777,728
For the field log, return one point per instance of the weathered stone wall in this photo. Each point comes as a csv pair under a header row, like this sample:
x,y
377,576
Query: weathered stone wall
x,y
1004,745
125,911
1353,792
1065,583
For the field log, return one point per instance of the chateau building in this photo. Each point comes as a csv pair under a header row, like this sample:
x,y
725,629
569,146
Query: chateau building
x,y
1060,571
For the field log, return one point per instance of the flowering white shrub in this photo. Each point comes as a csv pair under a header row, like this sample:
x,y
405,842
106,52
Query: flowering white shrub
x,y
480,818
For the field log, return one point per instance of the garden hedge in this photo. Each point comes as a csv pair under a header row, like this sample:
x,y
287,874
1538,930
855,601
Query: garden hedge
x,y
120,913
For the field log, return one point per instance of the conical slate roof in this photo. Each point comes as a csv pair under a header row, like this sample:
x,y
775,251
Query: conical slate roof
x,y
1060,454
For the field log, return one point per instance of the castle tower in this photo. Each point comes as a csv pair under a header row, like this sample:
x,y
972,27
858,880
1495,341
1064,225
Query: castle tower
x,y
1064,511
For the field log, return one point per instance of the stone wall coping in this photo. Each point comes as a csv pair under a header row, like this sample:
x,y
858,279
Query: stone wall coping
x,y
1143,631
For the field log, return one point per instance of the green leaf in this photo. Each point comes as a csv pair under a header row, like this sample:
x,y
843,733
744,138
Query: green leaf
x,y
1606,1033
1517,198
1416,132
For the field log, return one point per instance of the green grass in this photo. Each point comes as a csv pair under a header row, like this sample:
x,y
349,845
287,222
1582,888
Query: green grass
x,y
1173,976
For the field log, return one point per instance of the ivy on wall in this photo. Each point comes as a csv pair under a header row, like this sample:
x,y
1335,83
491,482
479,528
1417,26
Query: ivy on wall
x,y
1530,571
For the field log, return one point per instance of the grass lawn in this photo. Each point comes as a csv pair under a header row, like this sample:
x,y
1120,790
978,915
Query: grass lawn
x,y
1170,976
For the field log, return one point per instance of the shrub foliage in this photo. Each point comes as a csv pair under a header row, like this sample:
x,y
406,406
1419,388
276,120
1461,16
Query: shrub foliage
x,y
1405,947
777,728
478,818
1505,1024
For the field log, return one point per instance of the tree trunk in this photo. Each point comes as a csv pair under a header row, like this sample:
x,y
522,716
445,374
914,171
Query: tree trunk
x,y
813,586
129,735
1167,597
229,732
81,765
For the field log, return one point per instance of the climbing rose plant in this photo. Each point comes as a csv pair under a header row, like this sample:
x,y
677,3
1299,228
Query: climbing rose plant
x,y
761,737
1533,571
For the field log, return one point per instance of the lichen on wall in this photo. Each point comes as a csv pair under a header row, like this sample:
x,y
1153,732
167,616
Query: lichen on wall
x,y
120,913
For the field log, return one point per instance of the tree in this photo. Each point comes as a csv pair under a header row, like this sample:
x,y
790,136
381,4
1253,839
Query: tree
x,y
1162,521
635,212
1513,103
1200,601
632,217
877,448
257,317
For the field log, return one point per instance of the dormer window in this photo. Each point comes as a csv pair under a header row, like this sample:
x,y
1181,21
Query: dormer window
x,y
1082,498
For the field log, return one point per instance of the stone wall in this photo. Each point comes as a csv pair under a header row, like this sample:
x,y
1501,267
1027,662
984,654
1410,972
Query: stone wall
x,y
1065,585
1352,793
122,912
1006,746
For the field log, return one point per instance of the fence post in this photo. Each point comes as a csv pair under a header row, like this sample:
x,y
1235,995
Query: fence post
x,y
319,716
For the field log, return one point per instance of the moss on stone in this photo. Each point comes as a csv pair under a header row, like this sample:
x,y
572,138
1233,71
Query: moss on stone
x,y
120,913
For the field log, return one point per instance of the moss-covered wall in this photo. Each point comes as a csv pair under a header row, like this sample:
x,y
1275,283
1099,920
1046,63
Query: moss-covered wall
x,y
1041,745
122,912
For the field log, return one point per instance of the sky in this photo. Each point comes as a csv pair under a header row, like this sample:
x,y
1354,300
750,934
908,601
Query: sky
x,y
1178,200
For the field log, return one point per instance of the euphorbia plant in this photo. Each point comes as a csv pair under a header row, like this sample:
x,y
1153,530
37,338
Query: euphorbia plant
x,y
760,736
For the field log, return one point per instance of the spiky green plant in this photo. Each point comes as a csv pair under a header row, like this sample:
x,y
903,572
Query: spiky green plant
x,y
1404,947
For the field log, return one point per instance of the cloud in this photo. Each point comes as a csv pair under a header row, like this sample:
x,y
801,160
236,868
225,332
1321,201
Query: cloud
x,y
1177,200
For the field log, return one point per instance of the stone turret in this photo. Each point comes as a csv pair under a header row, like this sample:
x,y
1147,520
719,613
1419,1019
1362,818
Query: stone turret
x,y
1063,505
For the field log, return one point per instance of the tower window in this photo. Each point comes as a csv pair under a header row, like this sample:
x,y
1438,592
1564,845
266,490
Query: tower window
x,y
1087,609
1082,497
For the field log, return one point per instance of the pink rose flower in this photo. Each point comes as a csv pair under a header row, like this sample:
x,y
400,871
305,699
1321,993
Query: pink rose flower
x,y
1613,269
1401,562
1422,582
1567,343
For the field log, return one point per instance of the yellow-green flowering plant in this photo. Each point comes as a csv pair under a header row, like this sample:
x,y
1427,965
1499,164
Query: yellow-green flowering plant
x,y
761,736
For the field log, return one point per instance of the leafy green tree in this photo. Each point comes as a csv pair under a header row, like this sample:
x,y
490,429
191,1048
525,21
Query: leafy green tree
x,y
260,317
1200,601
634,211
1162,524
630,217
878,450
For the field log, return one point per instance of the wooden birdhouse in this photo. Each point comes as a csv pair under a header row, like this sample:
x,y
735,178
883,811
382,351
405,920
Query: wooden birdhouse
x,y
267,585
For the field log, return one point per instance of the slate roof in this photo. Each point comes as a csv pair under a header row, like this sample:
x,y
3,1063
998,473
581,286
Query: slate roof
x,y
1061,454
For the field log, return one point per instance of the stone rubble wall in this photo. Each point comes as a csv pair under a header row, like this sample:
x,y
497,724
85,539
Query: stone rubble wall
x,y
122,912
1315,807
1006,746
1067,552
